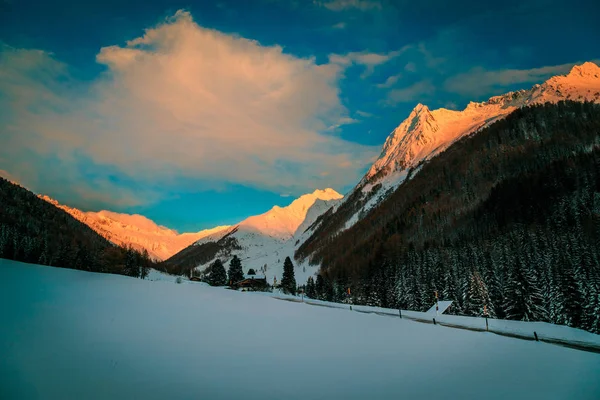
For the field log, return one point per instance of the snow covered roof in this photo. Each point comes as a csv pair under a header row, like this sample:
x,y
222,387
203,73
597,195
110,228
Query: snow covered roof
x,y
443,306
246,276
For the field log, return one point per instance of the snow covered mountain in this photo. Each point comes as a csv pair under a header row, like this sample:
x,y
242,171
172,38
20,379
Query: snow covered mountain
x,y
136,230
426,133
263,241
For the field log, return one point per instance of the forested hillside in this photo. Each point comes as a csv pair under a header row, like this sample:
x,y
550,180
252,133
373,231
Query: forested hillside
x,y
508,218
35,231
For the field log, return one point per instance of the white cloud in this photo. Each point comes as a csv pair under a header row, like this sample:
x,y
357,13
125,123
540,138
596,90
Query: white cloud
x,y
415,92
410,67
479,81
185,101
339,25
389,82
343,5
366,59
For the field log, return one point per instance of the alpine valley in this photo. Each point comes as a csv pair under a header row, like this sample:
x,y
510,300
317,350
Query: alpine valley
x,y
479,205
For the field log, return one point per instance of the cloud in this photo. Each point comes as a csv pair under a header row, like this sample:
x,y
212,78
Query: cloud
x,y
364,114
339,25
410,67
389,82
479,81
8,176
414,92
181,101
366,59
431,61
343,5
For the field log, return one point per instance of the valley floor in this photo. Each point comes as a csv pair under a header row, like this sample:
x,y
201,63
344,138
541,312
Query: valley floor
x,y
72,334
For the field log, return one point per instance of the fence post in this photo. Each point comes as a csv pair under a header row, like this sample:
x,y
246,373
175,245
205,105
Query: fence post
x,y
400,312
350,308
434,321
536,337
486,324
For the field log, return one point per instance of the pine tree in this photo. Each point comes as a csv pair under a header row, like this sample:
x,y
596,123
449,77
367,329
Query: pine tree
x,y
450,291
235,273
145,263
595,321
573,302
310,288
319,287
288,281
477,301
523,297
494,287
132,266
217,275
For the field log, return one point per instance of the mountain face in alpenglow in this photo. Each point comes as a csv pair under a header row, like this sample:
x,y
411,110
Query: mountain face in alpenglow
x,y
136,231
262,240
283,222
426,133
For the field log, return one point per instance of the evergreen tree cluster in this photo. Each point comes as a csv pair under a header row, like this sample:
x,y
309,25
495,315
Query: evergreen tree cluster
x,y
288,280
215,274
235,273
506,223
35,231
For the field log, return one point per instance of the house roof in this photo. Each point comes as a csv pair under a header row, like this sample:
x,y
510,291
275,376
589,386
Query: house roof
x,y
246,276
443,306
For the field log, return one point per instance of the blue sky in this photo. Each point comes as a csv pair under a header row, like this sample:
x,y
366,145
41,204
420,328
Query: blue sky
x,y
201,113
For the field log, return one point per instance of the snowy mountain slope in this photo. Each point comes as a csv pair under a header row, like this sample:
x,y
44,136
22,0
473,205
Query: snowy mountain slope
x,y
426,133
283,222
137,231
263,240
121,330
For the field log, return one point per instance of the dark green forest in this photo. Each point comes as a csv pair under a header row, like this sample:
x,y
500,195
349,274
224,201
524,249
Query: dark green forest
x,y
507,218
35,231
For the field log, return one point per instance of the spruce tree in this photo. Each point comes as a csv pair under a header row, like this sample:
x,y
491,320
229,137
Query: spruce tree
x,y
523,297
217,275
310,288
145,263
573,302
320,288
235,273
288,281
478,300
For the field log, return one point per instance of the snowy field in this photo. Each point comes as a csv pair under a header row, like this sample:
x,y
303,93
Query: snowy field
x,y
551,333
68,334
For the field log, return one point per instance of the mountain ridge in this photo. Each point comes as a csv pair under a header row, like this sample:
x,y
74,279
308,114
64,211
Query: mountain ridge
x,y
262,241
425,133
136,230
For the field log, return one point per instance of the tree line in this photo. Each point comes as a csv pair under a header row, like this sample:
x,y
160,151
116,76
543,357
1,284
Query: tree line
x,y
215,274
35,231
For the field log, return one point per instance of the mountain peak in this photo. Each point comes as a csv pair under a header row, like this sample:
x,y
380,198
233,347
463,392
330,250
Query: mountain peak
x,y
282,222
136,230
587,69
326,194
420,109
425,133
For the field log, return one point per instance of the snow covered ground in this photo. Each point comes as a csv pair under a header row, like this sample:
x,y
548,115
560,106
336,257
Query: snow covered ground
x,y
547,332
72,334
